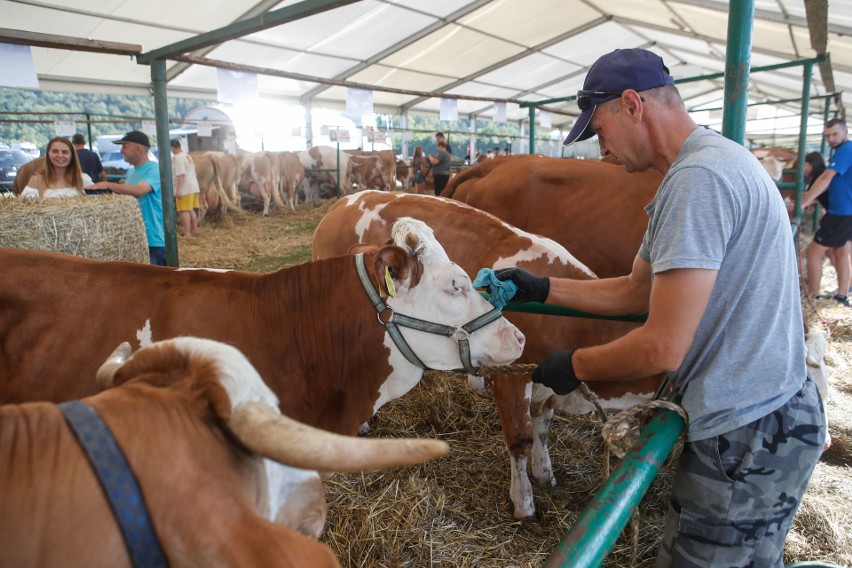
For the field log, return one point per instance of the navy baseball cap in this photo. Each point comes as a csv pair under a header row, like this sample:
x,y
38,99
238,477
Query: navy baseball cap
x,y
611,75
136,137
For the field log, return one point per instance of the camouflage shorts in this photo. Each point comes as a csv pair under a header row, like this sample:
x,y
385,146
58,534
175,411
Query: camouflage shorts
x,y
734,496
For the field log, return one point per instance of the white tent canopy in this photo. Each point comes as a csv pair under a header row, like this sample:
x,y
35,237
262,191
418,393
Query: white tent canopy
x,y
527,51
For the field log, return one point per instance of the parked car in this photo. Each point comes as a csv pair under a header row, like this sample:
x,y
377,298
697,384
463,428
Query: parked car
x,y
10,161
116,160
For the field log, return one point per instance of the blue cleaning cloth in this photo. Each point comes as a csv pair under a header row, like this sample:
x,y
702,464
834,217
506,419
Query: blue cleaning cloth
x,y
501,290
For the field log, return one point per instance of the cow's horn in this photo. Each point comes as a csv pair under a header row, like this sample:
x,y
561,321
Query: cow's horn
x,y
267,433
107,371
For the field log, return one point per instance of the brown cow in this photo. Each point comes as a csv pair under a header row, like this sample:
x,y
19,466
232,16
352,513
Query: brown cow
x,y
475,239
593,209
310,330
193,419
24,174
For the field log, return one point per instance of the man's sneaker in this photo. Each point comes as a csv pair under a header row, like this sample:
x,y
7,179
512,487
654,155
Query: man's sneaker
x,y
843,300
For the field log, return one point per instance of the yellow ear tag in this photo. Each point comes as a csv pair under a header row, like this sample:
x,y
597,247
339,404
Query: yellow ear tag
x,y
389,283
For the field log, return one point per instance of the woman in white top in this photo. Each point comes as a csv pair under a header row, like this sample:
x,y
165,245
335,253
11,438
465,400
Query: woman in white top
x,y
61,177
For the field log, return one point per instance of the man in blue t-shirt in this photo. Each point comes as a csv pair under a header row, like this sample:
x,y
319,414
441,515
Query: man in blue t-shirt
x,y
143,183
835,231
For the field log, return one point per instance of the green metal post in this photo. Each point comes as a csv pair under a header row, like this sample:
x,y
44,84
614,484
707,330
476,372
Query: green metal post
x,y
161,114
603,519
824,144
737,61
532,130
807,73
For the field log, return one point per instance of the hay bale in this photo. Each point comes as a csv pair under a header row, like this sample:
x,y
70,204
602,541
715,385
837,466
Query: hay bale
x,y
107,227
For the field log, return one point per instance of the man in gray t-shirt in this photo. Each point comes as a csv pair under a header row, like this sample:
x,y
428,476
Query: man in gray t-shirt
x,y
717,233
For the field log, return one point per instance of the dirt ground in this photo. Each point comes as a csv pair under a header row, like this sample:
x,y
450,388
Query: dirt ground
x,y
455,511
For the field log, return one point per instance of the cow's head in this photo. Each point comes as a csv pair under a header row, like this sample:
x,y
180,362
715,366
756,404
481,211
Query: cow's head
x,y
429,286
292,452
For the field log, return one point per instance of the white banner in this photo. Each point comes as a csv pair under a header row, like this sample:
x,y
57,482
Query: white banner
x,y
499,112
235,86
205,129
544,119
149,127
338,135
16,61
65,128
449,109
359,101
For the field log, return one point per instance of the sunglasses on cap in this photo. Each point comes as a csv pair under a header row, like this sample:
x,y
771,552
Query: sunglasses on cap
x,y
584,98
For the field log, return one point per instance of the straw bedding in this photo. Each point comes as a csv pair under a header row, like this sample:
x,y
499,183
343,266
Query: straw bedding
x,y
455,511
107,227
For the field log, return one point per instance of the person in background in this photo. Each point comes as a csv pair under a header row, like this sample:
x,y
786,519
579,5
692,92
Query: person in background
x,y
90,163
835,230
440,167
186,188
142,182
417,164
439,137
717,232
61,177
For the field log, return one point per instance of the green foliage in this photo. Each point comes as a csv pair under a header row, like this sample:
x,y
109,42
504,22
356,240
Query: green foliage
x,y
111,108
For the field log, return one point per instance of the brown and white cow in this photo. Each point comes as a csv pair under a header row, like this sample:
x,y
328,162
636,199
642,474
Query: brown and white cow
x,y
366,172
290,175
310,330
595,210
386,163
774,160
213,197
326,157
205,440
476,239
259,177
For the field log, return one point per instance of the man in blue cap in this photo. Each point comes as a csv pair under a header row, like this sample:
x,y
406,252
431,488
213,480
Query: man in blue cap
x,y
718,231
143,183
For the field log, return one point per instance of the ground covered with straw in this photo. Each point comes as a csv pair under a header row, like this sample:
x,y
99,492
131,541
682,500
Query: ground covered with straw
x,y
455,511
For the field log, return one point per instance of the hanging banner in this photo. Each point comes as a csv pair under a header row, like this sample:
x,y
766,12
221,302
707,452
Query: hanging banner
x,y
359,101
338,136
235,86
205,129
449,109
544,118
499,112
149,127
296,131
16,61
65,128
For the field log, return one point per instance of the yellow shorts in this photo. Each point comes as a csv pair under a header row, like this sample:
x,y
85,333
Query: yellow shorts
x,y
187,202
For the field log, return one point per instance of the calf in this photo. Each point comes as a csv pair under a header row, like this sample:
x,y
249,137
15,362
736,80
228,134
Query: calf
x,y
203,436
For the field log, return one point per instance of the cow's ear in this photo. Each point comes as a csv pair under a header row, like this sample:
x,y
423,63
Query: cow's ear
x,y
392,269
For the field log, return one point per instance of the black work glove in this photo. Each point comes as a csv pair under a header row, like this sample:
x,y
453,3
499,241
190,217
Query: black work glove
x,y
556,371
531,288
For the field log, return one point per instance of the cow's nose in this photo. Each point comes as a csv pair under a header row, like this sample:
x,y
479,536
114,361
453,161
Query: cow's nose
x,y
519,336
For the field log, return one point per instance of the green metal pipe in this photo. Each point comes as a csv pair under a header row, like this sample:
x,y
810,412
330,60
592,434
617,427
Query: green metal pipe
x,y
737,63
549,310
603,519
161,115
807,73
823,144
532,130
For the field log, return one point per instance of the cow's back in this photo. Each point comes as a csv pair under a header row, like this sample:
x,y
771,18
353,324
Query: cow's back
x,y
593,209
